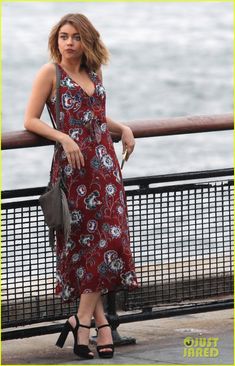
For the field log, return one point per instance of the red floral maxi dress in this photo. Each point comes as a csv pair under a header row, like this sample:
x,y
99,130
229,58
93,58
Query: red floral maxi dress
x,y
97,256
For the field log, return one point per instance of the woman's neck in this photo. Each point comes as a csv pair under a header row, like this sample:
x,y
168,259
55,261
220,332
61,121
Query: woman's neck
x,y
73,67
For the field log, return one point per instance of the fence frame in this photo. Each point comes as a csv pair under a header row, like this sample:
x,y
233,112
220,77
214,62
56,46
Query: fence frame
x,y
163,127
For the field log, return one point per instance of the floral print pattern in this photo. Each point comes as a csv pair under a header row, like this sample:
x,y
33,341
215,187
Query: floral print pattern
x,y
97,256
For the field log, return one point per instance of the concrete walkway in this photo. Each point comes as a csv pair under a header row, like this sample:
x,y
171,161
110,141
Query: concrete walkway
x,y
159,341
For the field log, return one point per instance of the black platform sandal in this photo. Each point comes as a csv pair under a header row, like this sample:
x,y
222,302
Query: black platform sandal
x,y
105,354
80,350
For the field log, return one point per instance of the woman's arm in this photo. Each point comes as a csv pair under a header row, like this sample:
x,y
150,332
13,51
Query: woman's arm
x,y
41,91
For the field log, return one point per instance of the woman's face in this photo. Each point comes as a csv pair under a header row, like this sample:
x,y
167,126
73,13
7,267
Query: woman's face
x,y
69,42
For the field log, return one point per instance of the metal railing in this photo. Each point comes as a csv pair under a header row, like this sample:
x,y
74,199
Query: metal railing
x,y
148,128
181,239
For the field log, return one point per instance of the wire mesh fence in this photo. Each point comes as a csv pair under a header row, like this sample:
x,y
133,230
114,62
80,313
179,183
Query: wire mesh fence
x,y
182,239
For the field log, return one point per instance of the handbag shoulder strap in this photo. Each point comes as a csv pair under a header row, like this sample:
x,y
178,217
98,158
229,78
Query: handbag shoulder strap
x,y
58,77
57,105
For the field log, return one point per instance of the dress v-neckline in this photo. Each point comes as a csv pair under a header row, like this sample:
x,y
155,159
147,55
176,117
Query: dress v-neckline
x,y
73,81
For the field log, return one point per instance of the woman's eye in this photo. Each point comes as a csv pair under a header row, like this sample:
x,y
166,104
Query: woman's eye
x,y
76,38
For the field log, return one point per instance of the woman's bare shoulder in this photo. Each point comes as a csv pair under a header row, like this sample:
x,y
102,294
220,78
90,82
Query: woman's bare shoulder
x,y
44,81
47,70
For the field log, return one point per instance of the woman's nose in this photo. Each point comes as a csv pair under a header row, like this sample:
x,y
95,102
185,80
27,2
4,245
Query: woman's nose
x,y
69,40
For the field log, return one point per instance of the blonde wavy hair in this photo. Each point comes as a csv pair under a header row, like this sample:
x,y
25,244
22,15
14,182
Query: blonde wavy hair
x,y
95,53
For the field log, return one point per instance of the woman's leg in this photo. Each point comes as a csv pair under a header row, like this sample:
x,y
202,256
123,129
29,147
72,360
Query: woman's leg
x,y
85,312
99,313
104,334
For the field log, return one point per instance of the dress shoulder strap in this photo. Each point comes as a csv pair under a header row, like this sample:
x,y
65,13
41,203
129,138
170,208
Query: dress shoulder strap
x,y
57,106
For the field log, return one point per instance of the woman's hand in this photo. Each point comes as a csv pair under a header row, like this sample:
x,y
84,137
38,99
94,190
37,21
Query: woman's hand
x,y
128,141
73,152
127,137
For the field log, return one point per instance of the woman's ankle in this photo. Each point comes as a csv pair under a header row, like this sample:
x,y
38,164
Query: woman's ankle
x,y
101,321
84,319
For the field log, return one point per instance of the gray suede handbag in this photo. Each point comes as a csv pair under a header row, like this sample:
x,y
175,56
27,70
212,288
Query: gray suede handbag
x,y
54,202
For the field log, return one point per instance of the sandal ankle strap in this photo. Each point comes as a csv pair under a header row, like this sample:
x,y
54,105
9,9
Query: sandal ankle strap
x,y
102,326
85,326
79,324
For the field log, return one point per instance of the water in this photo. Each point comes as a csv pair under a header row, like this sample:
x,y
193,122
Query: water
x,y
167,60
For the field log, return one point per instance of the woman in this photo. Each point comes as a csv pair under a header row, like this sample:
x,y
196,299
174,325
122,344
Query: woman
x,y
96,258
